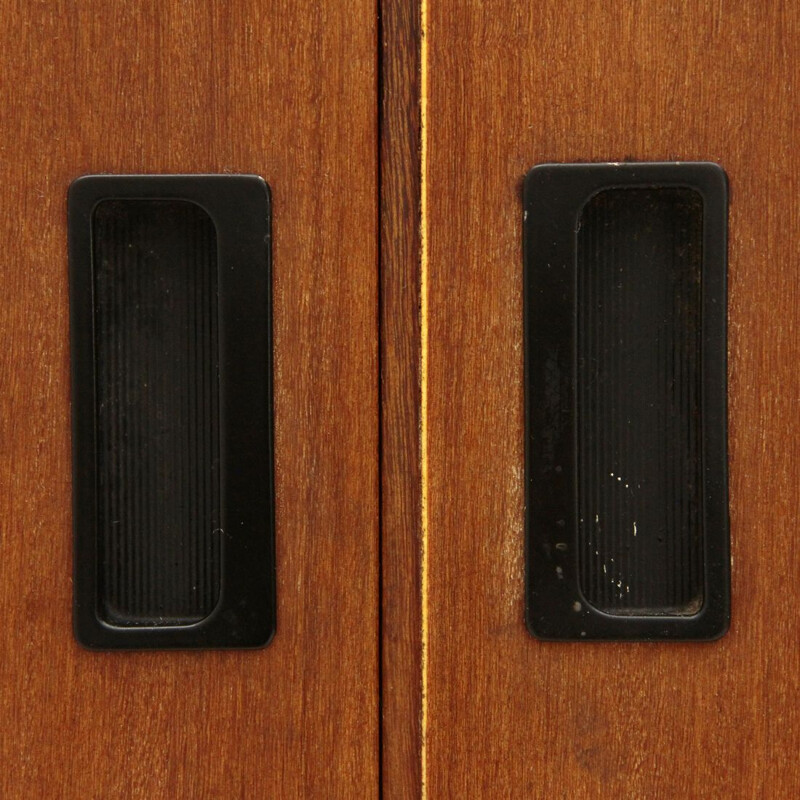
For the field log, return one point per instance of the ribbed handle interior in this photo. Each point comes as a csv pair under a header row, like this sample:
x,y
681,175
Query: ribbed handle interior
x,y
157,415
640,513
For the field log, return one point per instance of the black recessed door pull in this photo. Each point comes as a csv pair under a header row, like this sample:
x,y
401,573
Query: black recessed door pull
x,y
172,411
625,387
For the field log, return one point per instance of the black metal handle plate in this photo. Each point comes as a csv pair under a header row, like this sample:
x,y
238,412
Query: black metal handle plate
x,y
172,411
625,301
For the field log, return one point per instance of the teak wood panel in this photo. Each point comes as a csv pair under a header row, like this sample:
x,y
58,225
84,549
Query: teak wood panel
x,y
512,85
286,90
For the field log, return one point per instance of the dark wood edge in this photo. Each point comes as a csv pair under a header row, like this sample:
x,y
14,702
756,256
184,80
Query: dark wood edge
x,y
399,310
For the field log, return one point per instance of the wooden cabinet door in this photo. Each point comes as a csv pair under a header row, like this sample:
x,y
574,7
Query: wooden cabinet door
x,y
285,90
510,85
401,662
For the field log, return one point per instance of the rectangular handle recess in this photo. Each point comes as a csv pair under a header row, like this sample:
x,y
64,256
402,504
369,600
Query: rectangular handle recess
x,y
172,413
625,396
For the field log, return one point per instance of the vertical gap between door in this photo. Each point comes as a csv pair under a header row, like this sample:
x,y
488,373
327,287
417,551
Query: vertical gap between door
x,y
402,369
424,252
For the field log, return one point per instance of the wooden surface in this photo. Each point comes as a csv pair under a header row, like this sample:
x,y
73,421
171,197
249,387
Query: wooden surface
x,y
401,694
511,85
286,90
290,91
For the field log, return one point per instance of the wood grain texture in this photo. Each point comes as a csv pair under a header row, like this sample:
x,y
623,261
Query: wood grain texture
x,y
401,694
511,85
286,90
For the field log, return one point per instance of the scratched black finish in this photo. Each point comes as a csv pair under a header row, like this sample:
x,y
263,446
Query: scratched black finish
x,y
626,474
172,411
639,466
